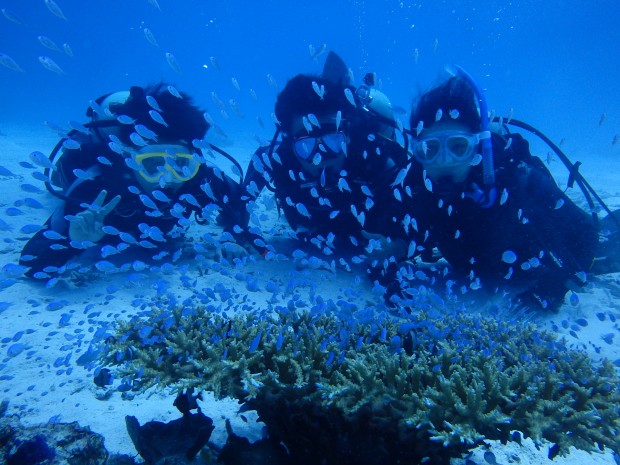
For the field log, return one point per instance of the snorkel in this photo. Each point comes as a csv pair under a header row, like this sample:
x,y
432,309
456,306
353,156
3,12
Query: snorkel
x,y
488,170
377,104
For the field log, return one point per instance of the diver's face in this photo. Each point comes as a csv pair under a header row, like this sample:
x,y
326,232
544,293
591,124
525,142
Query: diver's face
x,y
446,150
320,147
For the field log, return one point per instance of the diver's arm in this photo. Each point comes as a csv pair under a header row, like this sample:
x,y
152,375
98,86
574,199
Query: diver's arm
x,y
234,216
566,234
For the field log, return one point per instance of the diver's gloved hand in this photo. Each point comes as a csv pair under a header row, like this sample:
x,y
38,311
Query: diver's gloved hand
x,y
87,225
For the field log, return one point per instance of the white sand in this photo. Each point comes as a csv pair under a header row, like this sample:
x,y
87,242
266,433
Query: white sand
x,y
37,393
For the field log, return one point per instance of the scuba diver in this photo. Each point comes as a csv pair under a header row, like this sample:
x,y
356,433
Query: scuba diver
x,y
331,163
131,177
491,208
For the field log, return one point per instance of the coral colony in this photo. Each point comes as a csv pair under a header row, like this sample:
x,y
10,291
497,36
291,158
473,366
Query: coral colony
x,y
337,384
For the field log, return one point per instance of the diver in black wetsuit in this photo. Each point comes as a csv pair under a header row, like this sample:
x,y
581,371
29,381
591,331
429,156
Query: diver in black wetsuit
x,y
492,209
333,168
131,178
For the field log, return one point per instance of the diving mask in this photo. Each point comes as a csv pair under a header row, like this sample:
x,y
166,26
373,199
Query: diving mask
x,y
172,163
456,146
331,143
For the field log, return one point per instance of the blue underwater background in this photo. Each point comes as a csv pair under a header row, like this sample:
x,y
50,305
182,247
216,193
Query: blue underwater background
x,y
554,62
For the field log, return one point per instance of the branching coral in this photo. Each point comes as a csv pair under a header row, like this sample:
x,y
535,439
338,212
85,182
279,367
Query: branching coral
x,y
336,390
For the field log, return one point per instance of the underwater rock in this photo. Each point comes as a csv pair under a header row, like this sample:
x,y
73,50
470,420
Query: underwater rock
x,y
239,451
177,441
52,444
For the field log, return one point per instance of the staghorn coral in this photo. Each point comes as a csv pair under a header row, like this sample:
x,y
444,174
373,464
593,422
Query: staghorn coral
x,y
337,390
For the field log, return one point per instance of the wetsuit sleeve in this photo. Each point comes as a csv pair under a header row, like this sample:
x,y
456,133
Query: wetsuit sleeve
x,y
567,235
232,199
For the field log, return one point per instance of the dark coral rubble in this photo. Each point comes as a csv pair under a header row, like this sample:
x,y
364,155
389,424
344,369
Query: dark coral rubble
x,y
50,444
339,386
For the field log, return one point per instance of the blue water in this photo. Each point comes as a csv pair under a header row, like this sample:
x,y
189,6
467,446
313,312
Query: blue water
x,y
555,62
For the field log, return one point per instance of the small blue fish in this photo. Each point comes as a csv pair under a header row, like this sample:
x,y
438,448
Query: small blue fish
x,y
4,226
85,175
350,98
147,201
608,338
136,139
319,90
108,250
16,349
255,342
106,266
145,132
126,237
4,306
303,211
574,300
13,211
173,63
156,116
40,176
124,119
153,103
279,341
400,177
12,270
30,188
8,62
174,92
32,203
145,332
489,457
40,159
189,198
55,9
79,127
343,185
509,257
111,230
71,144
366,191
116,147
361,218
104,161
156,234
159,195
30,228
53,235
12,17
